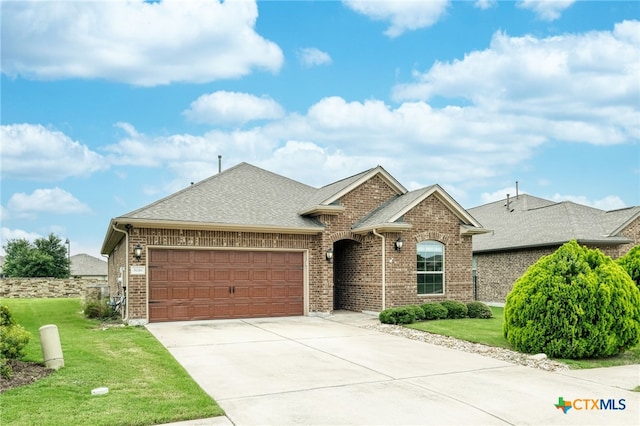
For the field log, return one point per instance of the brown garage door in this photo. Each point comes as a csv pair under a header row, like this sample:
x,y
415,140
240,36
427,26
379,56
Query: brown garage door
x,y
213,284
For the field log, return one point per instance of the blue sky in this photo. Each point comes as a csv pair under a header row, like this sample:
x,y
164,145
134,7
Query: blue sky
x,y
109,106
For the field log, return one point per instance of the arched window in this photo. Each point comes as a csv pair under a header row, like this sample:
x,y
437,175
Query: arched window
x,y
430,267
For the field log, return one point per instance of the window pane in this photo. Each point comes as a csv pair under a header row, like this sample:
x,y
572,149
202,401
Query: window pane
x,y
430,267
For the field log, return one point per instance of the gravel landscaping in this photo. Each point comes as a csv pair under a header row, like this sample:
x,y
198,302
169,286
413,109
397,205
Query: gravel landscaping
x,y
539,361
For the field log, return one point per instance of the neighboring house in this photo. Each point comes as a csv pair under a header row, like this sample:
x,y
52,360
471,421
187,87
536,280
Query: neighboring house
x,y
85,266
525,228
250,243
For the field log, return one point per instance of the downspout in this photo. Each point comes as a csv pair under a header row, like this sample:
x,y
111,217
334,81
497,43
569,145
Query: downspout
x,y
126,270
384,269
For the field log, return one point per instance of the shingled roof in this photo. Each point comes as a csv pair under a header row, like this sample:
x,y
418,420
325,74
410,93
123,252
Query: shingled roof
x,y
246,197
528,221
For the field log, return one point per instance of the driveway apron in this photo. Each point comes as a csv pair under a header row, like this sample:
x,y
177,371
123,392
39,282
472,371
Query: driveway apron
x,y
330,371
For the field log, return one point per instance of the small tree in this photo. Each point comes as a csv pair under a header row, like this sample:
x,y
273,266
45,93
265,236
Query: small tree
x,y
630,262
575,303
46,257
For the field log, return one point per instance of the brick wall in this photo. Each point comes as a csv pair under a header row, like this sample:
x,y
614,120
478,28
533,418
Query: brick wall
x,y
431,220
23,288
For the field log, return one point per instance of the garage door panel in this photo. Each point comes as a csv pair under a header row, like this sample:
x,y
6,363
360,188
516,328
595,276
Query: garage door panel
x,y
181,256
201,275
180,313
159,293
180,293
202,292
212,284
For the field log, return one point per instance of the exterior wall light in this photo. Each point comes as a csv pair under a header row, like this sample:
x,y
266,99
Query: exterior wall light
x,y
329,254
398,244
137,252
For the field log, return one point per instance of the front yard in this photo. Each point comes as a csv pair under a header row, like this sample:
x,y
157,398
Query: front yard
x,y
489,332
146,385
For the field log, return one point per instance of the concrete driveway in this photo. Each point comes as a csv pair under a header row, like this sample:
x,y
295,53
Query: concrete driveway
x,y
315,371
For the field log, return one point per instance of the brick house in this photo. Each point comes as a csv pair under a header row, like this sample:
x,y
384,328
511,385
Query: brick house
x,y
250,243
525,228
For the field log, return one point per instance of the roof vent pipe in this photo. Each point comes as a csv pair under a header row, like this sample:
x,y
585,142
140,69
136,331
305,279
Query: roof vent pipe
x,y
219,163
508,203
517,192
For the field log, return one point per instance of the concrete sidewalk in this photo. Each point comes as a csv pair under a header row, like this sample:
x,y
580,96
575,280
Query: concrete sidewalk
x,y
314,371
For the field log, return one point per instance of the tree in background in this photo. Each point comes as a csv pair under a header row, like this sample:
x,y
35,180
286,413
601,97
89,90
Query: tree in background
x,y
46,257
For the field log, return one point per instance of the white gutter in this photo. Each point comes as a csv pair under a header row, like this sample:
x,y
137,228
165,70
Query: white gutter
x,y
126,270
384,268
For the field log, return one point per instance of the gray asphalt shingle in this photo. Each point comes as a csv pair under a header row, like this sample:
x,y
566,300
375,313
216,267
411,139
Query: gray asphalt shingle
x,y
532,221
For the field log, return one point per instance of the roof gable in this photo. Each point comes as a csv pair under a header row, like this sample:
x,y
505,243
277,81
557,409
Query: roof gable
x,y
324,200
390,214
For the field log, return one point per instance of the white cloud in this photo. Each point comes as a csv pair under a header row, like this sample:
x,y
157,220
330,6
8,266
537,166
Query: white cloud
x,y
54,201
136,42
500,194
579,88
548,10
7,235
485,4
33,152
403,15
231,107
311,57
610,202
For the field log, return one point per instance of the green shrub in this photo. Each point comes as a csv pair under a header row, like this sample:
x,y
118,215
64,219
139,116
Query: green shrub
x,y
434,311
400,315
575,303
417,310
455,309
478,310
13,340
6,318
630,262
98,309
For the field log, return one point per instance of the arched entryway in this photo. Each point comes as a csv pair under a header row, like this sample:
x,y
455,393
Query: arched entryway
x,y
347,274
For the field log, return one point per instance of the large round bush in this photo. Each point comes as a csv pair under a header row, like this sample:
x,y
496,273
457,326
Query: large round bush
x,y
575,303
630,262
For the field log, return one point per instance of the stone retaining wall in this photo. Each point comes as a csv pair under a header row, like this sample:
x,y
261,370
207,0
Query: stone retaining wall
x,y
82,288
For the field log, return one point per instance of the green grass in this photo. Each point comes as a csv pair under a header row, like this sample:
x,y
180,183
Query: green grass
x,y
146,385
489,332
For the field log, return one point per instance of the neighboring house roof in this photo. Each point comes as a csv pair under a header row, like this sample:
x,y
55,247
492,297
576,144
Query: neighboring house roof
x,y
248,198
530,221
85,265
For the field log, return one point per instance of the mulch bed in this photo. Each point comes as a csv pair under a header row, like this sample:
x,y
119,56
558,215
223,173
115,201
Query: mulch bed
x,y
24,373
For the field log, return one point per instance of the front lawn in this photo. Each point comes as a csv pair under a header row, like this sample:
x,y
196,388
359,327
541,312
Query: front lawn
x,y
489,332
146,385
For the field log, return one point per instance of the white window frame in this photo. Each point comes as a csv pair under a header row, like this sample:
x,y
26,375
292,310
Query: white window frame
x,y
442,272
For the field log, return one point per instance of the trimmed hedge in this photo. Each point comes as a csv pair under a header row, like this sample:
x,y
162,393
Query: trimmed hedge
x,y
455,309
400,315
434,311
479,310
575,303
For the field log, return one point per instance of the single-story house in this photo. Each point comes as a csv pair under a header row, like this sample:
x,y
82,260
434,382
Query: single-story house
x,y
525,228
247,242
86,266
